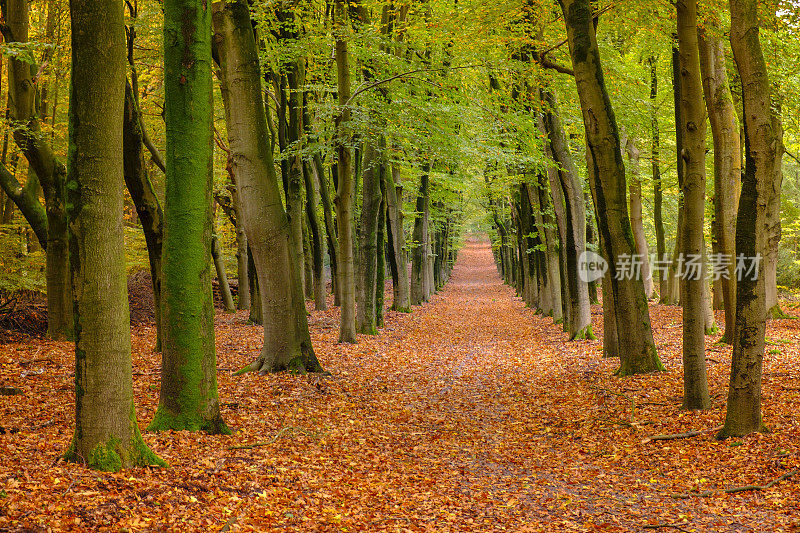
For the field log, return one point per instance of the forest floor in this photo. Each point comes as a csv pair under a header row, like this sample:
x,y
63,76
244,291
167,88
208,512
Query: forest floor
x,y
470,414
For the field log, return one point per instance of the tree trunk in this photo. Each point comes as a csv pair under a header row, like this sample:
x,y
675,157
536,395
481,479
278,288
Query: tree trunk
x,y
222,275
574,237
106,433
188,399
50,172
368,237
672,295
317,244
419,252
148,207
727,173
243,301
345,190
380,269
637,221
762,180
608,185
693,283
658,197
401,300
551,255
295,199
287,343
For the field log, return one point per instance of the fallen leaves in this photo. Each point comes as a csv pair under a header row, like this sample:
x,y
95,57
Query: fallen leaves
x,y
471,414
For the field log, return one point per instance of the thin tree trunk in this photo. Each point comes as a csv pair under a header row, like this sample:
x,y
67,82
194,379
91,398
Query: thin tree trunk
x,y
762,180
317,244
637,221
295,199
243,301
106,432
222,275
637,350
693,283
672,295
380,254
658,197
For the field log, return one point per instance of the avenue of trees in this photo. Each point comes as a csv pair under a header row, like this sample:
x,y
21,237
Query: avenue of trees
x,y
344,144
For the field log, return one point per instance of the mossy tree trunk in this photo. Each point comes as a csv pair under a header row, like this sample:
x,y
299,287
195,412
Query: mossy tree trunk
x,y
693,281
287,343
608,185
188,398
762,180
727,171
106,433
317,247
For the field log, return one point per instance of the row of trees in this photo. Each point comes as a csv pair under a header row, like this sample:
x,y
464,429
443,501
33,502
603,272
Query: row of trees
x,y
273,204
352,135
545,208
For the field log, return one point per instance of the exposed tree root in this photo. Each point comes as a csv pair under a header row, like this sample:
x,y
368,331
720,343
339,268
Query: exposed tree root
x,y
734,490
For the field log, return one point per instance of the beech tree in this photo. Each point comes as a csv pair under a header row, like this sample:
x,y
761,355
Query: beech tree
x,y
761,182
106,432
634,338
287,343
188,398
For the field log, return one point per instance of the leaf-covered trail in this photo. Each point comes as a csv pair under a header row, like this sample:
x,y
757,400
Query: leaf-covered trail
x,y
471,414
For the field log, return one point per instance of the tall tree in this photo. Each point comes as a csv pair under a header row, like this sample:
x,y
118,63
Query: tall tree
x,y
635,345
188,398
106,433
287,343
762,179
45,166
693,282
727,170
578,320
345,190
658,195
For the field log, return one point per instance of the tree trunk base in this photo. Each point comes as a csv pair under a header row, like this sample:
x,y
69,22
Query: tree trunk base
x,y
584,334
113,456
165,421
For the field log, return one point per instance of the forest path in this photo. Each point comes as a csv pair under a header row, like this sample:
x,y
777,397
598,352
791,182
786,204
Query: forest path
x,y
470,414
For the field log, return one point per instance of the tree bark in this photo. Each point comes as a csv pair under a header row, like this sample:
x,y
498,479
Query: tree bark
x,y
419,252
608,185
345,190
672,295
658,197
693,282
287,343
368,236
188,398
50,172
317,244
106,432
762,180
637,221
574,236
401,295
148,206
727,172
